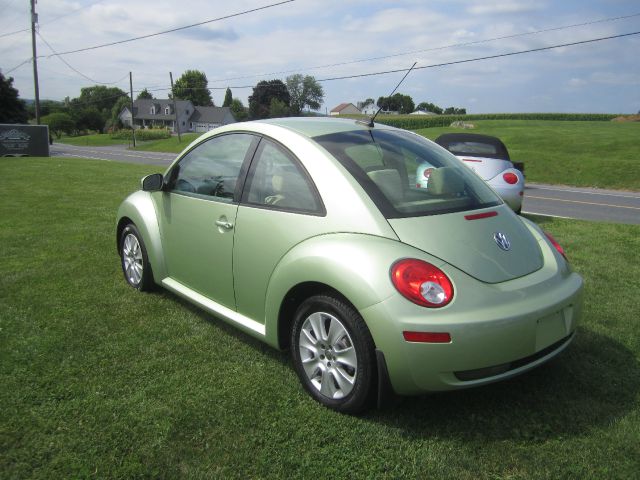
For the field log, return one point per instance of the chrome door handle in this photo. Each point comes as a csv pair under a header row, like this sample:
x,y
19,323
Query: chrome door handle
x,y
224,224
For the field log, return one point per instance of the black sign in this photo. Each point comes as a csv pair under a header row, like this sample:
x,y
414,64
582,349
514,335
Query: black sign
x,y
24,140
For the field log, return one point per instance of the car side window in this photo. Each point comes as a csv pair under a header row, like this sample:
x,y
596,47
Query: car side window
x,y
211,169
277,180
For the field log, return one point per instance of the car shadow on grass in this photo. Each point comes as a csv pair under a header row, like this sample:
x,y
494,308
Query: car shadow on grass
x,y
593,383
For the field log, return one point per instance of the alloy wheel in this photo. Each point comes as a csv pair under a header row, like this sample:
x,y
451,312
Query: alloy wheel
x,y
328,355
132,259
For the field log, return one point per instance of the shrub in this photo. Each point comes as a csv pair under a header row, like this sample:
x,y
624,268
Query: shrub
x,y
142,134
59,123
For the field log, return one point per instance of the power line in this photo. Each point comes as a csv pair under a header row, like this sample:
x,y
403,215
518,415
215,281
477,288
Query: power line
x,y
455,62
443,47
56,54
477,59
53,19
71,13
119,42
17,66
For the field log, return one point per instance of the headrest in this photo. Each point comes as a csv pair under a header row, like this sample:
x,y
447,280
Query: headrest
x,y
389,181
445,181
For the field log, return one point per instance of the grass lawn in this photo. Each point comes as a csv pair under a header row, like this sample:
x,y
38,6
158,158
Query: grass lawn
x,y
100,381
585,154
104,139
168,144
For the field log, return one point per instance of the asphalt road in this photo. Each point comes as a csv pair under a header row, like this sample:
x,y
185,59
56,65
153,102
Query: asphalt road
x,y
116,153
582,203
568,202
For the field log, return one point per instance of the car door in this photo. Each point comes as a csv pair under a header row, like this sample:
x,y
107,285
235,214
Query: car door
x,y
280,208
198,214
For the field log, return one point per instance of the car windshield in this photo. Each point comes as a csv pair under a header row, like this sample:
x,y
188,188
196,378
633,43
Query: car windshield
x,y
406,175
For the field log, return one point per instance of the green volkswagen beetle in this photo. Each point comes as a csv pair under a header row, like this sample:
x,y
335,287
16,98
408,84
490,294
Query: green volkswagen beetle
x,y
312,235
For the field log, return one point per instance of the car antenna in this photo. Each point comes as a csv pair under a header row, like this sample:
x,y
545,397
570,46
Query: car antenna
x,y
369,122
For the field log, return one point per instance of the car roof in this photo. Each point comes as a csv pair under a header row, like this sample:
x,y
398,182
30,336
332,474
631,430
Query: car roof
x,y
447,139
317,126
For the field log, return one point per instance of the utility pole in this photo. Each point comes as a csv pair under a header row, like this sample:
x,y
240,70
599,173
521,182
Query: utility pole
x,y
133,130
175,109
34,21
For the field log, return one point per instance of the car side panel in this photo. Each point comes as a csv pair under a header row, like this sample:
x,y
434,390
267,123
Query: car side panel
x,y
355,265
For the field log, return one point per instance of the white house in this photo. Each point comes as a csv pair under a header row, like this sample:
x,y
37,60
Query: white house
x,y
368,108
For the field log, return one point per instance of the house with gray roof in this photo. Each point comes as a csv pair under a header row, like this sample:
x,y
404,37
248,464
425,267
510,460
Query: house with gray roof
x,y
185,116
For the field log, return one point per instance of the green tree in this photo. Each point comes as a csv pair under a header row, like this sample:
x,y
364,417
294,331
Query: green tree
x,y
101,98
305,91
397,103
455,111
117,108
144,95
263,92
429,107
238,110
12,109
46,107
277,108
59,123
90,119
193,85
228,98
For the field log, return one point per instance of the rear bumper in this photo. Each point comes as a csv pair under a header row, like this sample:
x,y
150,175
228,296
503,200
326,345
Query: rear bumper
x,y
497,331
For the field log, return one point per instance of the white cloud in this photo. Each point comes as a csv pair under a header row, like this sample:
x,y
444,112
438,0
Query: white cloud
x,y
621,79
508,6
304,34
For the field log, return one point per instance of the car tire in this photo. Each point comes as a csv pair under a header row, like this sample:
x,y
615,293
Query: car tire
x,y
134,260
333,353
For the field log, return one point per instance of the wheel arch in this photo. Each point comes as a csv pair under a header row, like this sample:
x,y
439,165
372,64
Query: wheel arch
x,y
293,299
140,210
353,267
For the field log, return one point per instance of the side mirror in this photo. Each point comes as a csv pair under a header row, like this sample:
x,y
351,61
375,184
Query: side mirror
x,y
153,182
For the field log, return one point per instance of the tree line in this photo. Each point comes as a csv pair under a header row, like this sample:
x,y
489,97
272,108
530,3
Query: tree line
x,y
404,104
98,107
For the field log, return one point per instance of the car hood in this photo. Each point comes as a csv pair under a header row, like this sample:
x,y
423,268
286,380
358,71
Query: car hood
x,y
467,242
486,168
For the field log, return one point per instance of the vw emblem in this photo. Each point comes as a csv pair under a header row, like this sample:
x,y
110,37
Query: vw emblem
x,y
502,241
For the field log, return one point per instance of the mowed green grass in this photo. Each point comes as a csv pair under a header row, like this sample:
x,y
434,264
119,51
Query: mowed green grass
x,y
100,381
92,140
172,144
585,154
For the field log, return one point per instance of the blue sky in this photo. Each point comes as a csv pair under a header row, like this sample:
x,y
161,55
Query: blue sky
x,y
306,35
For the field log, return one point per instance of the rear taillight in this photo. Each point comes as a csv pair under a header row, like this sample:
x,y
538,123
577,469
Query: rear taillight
x,y
422,283
556,245
510,178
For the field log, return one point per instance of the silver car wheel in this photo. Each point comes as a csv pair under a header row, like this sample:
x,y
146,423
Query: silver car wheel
x,y
132,259
328,355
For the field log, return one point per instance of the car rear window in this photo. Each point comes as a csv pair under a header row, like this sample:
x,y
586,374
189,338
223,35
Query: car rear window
x,y
472,148
406,175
